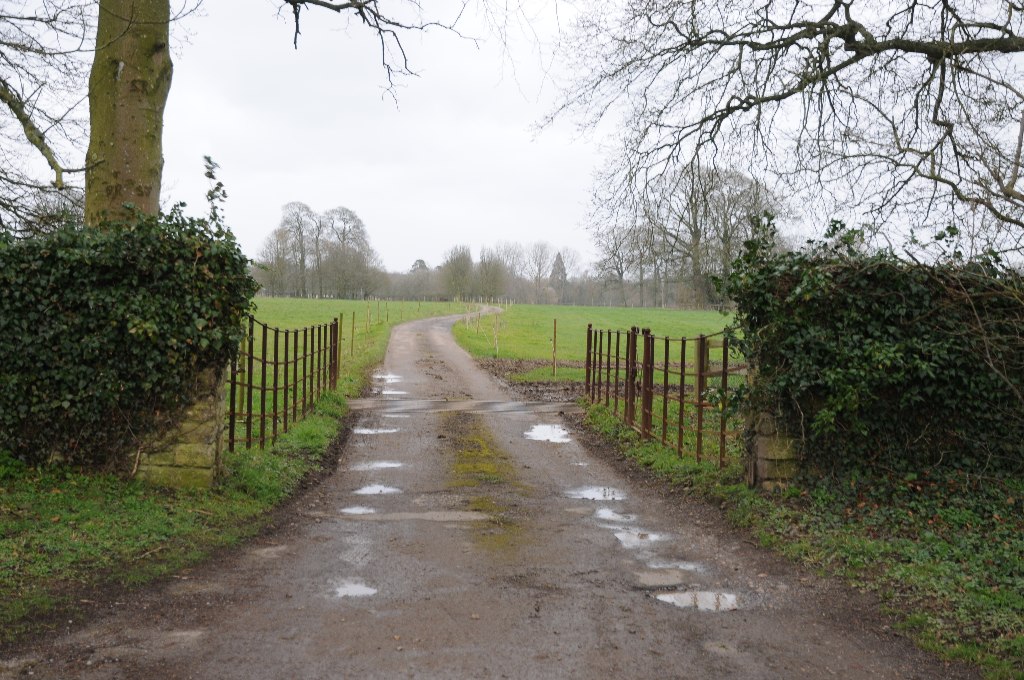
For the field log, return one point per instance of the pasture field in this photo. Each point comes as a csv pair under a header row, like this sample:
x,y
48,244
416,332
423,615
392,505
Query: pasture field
x,y
526,332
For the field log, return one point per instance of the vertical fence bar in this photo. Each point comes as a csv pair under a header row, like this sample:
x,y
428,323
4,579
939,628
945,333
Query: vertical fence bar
x,y
248,386
319,375
277,338
587,363
682,396
263,388
664,396
352,340
702,353
295,376
724,402
597,374
618,338
287,385
629,407
647,386
233,403
305,372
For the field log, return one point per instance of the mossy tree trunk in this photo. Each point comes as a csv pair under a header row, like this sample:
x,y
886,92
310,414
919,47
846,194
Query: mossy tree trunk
x,y
128,86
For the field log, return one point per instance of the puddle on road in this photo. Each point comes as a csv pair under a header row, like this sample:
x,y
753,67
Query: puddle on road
x,y
702,600
610,515
393,392
395,415
388,378
637,538
682,566
353,589
375,489
376,465
357,510
374,430
548,433
596,493
580,463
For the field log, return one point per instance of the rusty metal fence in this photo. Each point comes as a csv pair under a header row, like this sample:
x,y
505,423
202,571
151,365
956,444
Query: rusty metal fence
x,y
675,390
277,378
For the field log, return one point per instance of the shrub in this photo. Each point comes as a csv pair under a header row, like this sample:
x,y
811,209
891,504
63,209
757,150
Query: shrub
x,y
873,360
103,331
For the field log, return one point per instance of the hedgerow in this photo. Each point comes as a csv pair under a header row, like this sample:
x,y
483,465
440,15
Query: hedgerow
x,y
104,331
871,360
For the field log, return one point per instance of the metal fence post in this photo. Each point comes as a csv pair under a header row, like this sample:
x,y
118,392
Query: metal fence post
x,y
647,385
586,363
702,357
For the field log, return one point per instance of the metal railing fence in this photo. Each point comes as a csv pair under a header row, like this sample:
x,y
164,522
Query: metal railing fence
x,y
277,378
675,390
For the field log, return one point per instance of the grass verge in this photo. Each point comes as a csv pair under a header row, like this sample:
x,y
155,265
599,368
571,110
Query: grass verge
x,y
943,552
64,531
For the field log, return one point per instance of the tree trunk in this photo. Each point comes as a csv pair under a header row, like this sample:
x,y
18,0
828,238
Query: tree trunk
x,y
128,86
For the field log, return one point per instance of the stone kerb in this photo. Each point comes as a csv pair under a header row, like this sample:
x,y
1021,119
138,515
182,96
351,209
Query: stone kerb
x,y
189,455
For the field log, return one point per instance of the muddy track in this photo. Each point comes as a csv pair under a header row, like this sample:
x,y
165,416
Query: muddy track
x,y
479,543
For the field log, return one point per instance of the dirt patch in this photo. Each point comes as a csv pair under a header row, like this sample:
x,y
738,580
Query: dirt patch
x,y
507,372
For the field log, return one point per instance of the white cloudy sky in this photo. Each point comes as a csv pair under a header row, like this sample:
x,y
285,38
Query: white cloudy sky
x,y
457,160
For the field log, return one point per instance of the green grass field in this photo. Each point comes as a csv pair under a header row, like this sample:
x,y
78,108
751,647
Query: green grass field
x,y
528,331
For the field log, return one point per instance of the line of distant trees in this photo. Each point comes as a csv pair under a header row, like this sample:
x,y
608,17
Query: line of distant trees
x,y
660,249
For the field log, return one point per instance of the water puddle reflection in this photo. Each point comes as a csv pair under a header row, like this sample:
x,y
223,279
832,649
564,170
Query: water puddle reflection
x,y
358,510
596,493
375,489
393,392
376,465
388,378
396,415
682,566
637,538
374,430
702,600
610,515
548,433
353,589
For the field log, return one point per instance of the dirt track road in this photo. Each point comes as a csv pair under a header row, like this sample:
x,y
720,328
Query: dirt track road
x,y
450,545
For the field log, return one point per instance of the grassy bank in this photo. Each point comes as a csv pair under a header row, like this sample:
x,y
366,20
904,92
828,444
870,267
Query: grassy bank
x,y
942,549
63,529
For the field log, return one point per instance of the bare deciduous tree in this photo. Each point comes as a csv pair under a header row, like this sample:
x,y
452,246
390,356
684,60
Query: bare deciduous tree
x,y
911,111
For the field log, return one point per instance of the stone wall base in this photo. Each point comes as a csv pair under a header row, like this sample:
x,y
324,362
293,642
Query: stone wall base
x,y
774,459
189,455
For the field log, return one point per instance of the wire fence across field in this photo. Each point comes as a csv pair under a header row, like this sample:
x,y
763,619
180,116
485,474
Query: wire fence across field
x,y
674,390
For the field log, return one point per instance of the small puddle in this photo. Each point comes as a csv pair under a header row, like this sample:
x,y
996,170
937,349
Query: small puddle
x,y
611,516
702,600
357,510
388,378
395,415
548,433
682,566
580,463
637,538
374,430
393,392
376,465
375,489
596,493
353,589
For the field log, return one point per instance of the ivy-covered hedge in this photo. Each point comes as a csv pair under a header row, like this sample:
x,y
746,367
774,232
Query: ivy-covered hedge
x,y
103,331
872,360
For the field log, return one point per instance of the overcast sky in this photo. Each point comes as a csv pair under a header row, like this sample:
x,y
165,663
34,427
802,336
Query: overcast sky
x,y
456,161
